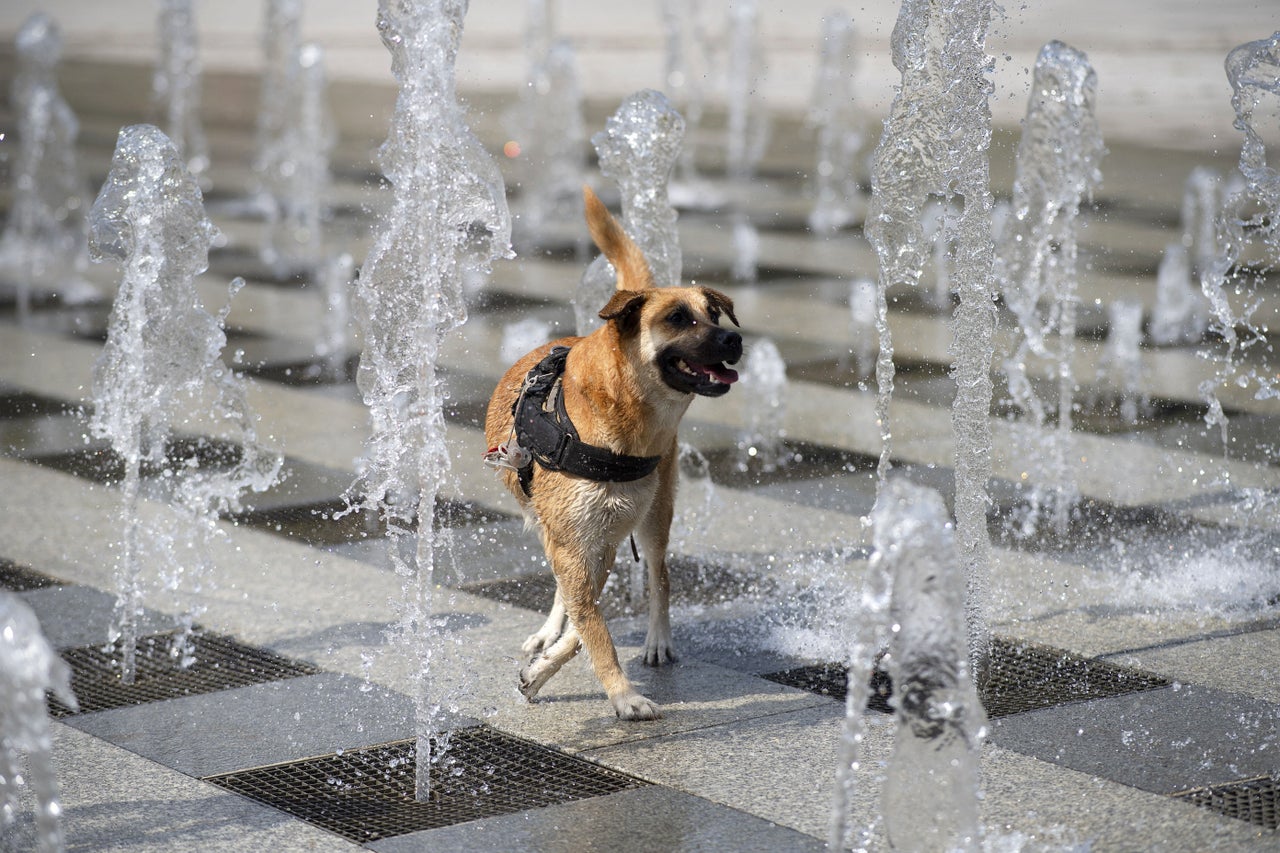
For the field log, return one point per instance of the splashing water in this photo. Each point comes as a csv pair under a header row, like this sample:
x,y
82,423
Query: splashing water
x,y
29,668
522,336
1201,202
746,249
931,792
1121,368
547,122
298,182
910,619
699,505
936,217
448,214
336,279
162,349
175,87
1250,216
935,142
637,149
760,445
43,244
747,128
863,315
1057,169
277,97
1178,315
688,65
837,199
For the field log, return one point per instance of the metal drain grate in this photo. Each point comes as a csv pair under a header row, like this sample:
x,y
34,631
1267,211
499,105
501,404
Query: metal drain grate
x,y
1023,677
1254,800
832,679
692,582
800,461
220,664
367,794
103,465
21,404
1028,676
15,578
327,522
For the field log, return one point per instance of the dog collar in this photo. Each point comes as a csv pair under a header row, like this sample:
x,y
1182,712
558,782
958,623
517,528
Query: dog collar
x,y
543,428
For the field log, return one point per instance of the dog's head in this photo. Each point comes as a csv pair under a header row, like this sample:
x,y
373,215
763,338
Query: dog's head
x,y
676,330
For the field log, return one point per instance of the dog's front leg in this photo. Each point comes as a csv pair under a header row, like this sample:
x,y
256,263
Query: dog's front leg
x,y
539,670
580,585
551,629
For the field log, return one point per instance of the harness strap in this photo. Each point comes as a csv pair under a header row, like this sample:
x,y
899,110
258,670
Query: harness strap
x,y
550,437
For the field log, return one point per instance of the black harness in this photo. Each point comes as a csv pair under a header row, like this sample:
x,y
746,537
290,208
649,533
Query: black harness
x,y
543,428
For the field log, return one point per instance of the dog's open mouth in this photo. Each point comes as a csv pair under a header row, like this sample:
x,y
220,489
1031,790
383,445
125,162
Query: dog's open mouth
x,y
709,380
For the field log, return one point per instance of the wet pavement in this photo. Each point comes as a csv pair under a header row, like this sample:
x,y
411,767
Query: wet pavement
x,y
1134,698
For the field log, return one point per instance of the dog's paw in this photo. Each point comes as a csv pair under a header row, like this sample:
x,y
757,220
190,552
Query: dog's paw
x,y
538,642
634,707
534,674
545,637
659,652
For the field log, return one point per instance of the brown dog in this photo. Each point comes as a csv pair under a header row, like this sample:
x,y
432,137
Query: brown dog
x,y
611,471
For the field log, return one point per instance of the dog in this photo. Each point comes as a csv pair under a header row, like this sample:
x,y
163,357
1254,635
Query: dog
x,y
590,452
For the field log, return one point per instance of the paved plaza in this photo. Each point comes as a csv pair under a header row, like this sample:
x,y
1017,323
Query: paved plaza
x,y
1138,690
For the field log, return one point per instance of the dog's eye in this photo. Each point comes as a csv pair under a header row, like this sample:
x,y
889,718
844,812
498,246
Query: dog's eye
x,y
680,318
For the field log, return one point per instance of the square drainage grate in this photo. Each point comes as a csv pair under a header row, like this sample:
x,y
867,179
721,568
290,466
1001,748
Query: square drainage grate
x,y
15,578
21,404
367,794
832,679
101,464
1028,676
1023,677
220,663
1254,800
693,581
327,522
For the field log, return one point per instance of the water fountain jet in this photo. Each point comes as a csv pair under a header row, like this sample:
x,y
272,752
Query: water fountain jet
x,y
547,122
638,149
162,349
760,443
29,669
688,64
935,143
277,97
1057,170
448,215
43,244
175,88
297,181
1250,216
837,198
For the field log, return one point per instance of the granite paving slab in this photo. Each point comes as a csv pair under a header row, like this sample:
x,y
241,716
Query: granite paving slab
x,y
257,725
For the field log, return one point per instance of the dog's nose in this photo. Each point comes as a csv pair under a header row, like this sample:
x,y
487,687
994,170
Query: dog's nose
x,y
731,341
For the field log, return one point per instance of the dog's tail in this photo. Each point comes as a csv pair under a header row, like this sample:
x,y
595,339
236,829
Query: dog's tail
x,y
627,259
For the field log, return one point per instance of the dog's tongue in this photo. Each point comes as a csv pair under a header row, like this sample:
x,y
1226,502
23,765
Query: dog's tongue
x,y
724,374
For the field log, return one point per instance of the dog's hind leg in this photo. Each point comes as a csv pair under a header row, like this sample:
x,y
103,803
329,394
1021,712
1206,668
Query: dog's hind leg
x,y
653,533
551,629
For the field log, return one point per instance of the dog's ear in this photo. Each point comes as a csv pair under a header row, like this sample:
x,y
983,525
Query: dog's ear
x,y
719,302
628,260
624,307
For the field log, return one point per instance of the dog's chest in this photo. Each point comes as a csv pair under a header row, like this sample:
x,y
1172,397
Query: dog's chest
x,y
597,506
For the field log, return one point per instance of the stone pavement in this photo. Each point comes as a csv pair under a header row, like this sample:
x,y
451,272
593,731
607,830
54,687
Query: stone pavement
x,y
1139,650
